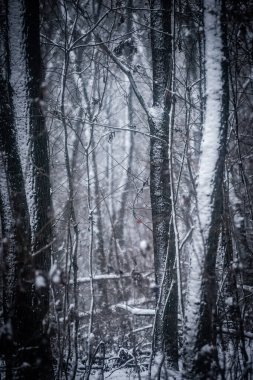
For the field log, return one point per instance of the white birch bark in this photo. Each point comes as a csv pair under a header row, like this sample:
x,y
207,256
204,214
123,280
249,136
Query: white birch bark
x,y
209,198
19,75
19,80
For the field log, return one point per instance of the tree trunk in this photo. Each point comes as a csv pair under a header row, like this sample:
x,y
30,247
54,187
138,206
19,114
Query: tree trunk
x,y
120,222
200,326
166,339
25,195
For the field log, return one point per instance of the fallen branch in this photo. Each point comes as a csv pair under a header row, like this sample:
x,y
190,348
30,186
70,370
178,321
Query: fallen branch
x,y
105,277
136,310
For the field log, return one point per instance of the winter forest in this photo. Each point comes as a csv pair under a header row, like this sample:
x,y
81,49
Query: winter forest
x,y
126,178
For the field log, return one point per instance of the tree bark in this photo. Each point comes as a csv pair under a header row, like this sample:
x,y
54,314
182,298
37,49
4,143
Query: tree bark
x,y
200,326
25,195
166,339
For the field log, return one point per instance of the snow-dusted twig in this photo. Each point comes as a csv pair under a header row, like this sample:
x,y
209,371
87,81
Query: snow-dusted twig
x,y
172,190
186,237
44,248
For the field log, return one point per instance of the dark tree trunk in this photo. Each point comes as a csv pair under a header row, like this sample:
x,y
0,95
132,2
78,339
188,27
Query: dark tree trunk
x,y
166,339
25,209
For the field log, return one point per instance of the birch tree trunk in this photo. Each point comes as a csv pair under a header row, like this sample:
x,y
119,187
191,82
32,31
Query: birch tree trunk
x,y
200,330
25,194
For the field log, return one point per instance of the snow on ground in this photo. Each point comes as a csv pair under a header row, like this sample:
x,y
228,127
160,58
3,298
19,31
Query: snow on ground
x,y
123,374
